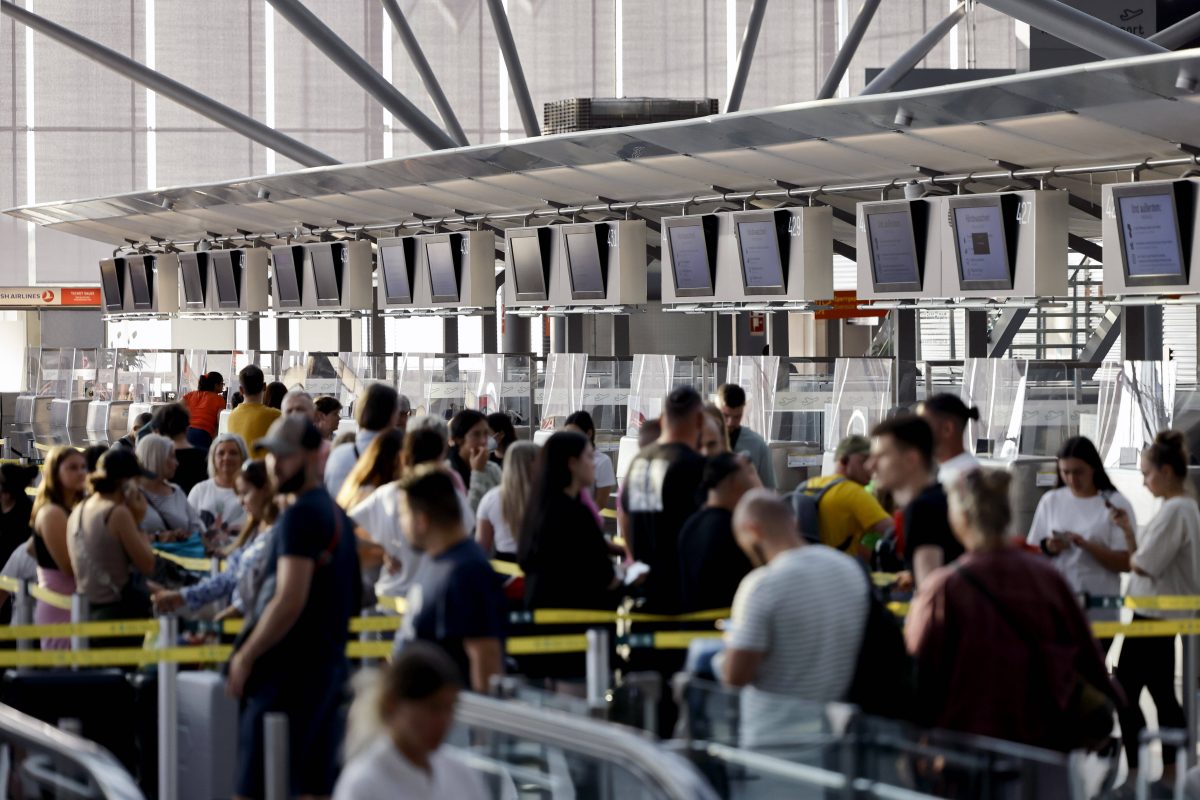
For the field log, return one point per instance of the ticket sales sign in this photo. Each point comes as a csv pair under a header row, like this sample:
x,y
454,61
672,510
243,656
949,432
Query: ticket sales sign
x,y
50,297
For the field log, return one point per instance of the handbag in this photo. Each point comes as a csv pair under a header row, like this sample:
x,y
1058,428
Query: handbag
x,y
1086,712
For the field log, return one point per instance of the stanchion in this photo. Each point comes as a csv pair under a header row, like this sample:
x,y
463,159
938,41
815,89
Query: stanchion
x,y
275,743
23,612
168,712
214,566
599,671
79,613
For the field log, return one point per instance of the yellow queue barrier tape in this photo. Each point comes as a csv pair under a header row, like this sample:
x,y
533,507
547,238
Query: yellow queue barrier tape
x,y
9,584
507,568
1140,627
59,601
193,564
1164,603
98,630
679,640
608,513
115,657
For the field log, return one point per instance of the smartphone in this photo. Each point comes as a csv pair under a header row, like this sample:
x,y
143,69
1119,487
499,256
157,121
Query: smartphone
x,y
1062,536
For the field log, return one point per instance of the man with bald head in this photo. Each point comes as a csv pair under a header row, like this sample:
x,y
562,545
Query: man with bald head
x,y
298,401
796,625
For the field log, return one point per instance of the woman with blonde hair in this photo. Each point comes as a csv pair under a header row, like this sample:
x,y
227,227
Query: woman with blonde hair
x,y
714,436
502,509
64,479
379,465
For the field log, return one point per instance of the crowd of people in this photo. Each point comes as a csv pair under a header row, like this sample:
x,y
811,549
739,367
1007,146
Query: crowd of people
x,y
416,509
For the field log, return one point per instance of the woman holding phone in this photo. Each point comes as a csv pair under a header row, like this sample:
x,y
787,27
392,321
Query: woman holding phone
x,y
1074,525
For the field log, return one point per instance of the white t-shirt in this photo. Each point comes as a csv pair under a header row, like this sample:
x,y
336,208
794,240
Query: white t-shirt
x,y
962,463
219,502
806,611
383,773
1060,510
379,516
490,509
605,474
1169,550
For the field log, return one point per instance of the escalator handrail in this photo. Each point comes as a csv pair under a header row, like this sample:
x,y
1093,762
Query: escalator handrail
x,y
670,773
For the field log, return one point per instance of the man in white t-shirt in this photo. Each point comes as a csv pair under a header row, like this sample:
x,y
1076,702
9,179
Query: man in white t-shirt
x,y
949,416
797,623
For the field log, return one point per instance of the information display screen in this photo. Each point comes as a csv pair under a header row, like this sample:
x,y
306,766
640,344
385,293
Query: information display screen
x,y
762,266
689,259
527,267
325,275
395,274
982,250
443,281
587,274
893,251
139,283
1150,238
227,279
111,284
193,280
287,285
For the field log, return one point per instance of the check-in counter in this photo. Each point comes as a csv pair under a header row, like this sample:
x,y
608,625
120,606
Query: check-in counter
x,y
107,420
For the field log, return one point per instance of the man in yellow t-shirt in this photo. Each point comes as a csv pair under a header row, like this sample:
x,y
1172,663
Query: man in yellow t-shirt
x,y
848,511
251,419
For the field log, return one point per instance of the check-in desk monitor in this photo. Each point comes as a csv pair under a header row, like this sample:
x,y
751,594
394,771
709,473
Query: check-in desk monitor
x,y
1152,242
397,258
692,248
287,264
193,268
587,261
896,260
762,244
227,269
112,283
444,268
982,230
529,253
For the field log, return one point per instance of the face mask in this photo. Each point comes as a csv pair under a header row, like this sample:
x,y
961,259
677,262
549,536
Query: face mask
x,y
293,484
492,443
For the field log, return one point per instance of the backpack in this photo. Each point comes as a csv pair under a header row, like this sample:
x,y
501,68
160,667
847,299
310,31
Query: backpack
x,y
806,504
884,682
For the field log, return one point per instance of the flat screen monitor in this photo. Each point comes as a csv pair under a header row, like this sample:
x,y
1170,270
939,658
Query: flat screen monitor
x,y
194,271
760,254
395,259
110,283
227,268
326,262
981,244
529,259
585,264
139,268
285,264
1151,241
443,272
691,257
892,242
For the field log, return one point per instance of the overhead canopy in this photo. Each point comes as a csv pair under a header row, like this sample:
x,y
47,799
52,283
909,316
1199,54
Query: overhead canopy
x,y
1111,112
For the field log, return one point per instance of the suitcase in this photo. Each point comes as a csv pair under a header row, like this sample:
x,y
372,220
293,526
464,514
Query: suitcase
x,y
208,735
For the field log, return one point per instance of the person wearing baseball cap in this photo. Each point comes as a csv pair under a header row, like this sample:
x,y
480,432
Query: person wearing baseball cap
x,y
849,517
293,659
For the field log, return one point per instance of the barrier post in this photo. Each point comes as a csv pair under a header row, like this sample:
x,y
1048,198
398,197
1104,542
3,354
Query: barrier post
x,y
1189,697
79,614
23,612
168,712
599,670
275,743
214,566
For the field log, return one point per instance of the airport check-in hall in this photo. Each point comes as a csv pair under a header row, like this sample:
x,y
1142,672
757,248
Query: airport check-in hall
x,y
623,399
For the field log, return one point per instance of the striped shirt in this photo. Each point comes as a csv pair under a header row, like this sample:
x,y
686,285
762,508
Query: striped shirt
x,y
806,611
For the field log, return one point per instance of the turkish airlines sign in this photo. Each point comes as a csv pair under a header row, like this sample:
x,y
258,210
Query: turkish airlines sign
x,y
50,296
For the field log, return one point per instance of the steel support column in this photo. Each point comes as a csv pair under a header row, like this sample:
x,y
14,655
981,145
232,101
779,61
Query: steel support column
x,y
906,329
1178,34
362,73
886,80
977,333
849,47
1142,333
1077,27
172,89
1103,337
489,332
1006,330
425,71
746,55
516,334
516,74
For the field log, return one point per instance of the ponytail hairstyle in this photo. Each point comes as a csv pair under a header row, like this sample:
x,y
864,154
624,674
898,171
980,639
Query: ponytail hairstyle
x,y
951,407
209,382
982,497
1169,449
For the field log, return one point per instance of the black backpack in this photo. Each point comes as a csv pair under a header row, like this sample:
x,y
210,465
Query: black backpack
x,y
884,682
806,505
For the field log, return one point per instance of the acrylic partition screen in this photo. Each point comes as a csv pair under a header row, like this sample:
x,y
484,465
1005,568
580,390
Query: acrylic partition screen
x,y
503,384
563,393
996,386
651,379
606,391
85,364
863,389
804,390
194,364
1137,400
756,375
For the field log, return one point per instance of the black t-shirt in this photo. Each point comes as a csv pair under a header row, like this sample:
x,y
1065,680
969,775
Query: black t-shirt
x,y
568,564
711,565
14,528
927,522
315,528
456,596
659,494
192,469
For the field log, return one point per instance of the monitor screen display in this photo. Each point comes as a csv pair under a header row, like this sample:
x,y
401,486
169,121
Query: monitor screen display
x,y
583,262
893,249
227,280
758,245
1150,235
325,274
982,249
527,267
287,287
193,278
395,273
139,282
689,258
443,281
111,284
